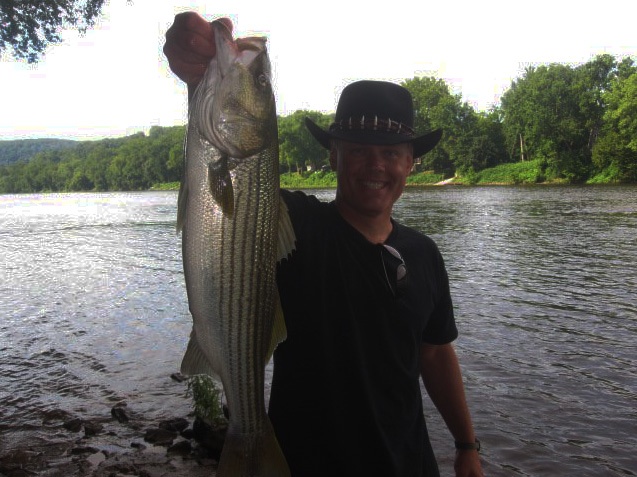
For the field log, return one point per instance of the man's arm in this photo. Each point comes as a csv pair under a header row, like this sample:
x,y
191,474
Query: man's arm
x,y
441,375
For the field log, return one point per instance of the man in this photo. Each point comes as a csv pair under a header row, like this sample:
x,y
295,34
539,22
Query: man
x,y
366,300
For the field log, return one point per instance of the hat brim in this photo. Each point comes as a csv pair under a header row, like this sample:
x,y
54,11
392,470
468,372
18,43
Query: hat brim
x,y
421,144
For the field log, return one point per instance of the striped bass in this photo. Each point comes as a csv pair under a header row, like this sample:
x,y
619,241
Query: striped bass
x,y
230,213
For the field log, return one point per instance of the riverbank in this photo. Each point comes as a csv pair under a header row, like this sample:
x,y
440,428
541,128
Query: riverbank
x,y
519,173
124,443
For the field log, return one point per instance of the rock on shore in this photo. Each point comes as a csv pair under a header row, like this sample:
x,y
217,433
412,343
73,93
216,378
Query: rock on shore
x,y
118,445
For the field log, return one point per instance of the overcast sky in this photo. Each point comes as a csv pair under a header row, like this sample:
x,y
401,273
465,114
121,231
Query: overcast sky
x,y
115,80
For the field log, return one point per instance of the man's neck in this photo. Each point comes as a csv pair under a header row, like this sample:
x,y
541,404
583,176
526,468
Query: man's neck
x,y
375,228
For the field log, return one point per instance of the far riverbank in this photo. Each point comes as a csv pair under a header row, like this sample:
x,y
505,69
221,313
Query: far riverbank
x,y
520,173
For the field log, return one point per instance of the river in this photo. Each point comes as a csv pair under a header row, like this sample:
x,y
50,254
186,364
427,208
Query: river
x,y
543,279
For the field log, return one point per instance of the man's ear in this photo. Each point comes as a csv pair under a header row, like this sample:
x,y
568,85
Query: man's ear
x,y
333,155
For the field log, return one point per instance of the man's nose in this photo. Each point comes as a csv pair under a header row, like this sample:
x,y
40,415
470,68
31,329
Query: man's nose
x,y
376,160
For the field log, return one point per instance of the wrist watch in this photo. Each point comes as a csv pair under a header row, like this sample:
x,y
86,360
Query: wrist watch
x,y
468,445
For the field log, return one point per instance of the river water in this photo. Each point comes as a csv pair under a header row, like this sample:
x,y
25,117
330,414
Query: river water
x,y
544,283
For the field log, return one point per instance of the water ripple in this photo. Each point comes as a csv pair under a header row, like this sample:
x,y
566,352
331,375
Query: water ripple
x,y
94,312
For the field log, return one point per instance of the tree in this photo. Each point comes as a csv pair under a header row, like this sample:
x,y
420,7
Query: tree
x,y
29,26
297,147
576,119
486,147
592,80
542,112
470,141
435,107
616,149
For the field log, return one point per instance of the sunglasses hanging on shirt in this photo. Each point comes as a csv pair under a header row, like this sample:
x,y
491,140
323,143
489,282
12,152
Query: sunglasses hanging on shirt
x,y
395,269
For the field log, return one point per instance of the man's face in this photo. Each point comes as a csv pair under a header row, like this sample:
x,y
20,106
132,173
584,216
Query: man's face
x,y
370,177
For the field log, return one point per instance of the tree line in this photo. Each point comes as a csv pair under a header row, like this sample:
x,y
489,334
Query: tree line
x,y
578,123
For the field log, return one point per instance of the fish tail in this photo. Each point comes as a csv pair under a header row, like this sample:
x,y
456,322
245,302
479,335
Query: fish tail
x,y
247,455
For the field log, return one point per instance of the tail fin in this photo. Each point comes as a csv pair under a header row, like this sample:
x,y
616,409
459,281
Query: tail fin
x,y
248,455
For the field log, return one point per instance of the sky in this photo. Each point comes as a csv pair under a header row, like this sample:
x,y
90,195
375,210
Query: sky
x,y
115,80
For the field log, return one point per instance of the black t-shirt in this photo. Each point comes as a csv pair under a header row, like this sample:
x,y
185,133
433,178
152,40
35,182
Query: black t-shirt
x,y
345,396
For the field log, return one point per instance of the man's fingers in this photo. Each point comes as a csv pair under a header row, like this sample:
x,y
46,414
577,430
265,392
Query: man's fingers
x,y
189,73
190,45
191,21
227,22
193,33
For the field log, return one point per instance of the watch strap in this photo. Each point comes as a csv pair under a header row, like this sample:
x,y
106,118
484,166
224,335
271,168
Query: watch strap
x,y
468,445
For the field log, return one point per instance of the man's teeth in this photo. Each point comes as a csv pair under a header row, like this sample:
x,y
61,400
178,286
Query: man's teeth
x,y
373,185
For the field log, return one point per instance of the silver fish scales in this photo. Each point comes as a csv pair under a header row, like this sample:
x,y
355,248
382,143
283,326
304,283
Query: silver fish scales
x,y
234,228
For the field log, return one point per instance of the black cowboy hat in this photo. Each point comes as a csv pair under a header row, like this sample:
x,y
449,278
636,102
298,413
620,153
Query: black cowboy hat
x,y
375,112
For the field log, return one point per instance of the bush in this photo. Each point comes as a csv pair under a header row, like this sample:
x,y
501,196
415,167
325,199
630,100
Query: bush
x,y
609,175
308,180
424,178
528,172
207,398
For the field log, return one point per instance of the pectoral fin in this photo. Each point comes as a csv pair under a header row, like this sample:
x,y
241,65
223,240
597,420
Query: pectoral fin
x,y
195,361
220,183
286,236
285,245
279,331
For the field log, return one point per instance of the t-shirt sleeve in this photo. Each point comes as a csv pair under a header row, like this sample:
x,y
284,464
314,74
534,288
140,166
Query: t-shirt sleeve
x,y
298,204
441,326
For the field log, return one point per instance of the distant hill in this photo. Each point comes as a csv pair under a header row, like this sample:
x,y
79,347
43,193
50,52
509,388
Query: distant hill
x,y
24,149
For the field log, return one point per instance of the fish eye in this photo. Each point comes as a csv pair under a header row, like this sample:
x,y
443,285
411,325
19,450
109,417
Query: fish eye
x,y
262,79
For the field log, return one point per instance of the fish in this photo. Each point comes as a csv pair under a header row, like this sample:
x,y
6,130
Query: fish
x,y
235,227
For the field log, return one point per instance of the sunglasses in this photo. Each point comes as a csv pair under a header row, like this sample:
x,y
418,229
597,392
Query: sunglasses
x,y
395,270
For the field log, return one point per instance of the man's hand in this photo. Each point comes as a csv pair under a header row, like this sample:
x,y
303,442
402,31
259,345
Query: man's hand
x,y
443,380
190,45
467,464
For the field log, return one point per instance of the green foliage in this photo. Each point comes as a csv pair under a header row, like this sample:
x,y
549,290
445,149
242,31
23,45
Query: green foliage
x,y
206,398
528,172
424,178
23,149
470,139
308,180
542,111
165,186
134,162
327,179
297,147
615,153
29,26
578,122
608,175
435,107
559,113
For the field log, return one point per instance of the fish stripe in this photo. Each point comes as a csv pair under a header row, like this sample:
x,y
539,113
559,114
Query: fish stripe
x,y
230,245
235,251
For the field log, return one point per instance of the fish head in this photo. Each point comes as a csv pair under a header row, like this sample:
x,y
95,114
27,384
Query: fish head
x,y
243,111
